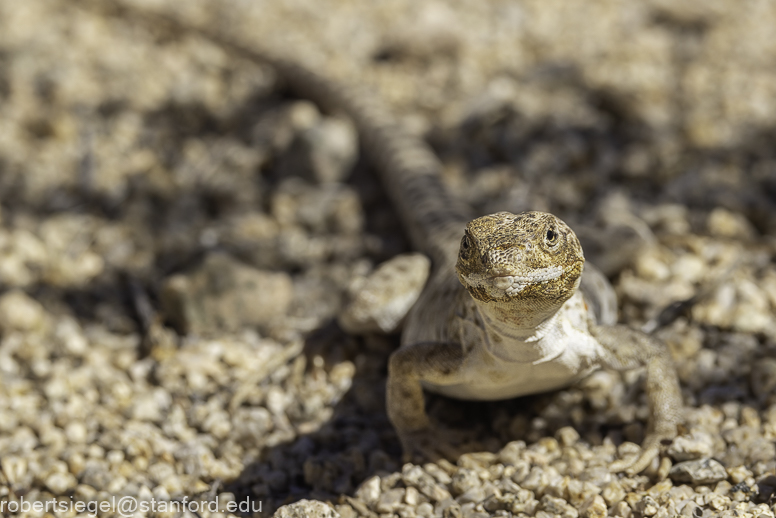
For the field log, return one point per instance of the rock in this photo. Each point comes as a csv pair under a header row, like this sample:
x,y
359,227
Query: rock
x,y
412,496
384,297
433,32
19,312
701,471
332,149
390,500
558,507
465,480
150,406
320,210
76,432
613,492
306,509
369,490
498,502
14,468
567,436
416,477
694,446
69,241
646,506
511,454
224,294
324,150
23,257
595,507
59,483
724,223
472,495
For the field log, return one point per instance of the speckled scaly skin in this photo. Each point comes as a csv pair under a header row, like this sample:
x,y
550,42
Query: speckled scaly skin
x,y
501,315
505,318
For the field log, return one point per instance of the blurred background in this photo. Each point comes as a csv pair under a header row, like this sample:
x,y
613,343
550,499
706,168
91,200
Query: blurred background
x,y
179,231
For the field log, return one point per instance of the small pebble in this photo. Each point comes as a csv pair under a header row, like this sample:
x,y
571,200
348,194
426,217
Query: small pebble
x,y
701,471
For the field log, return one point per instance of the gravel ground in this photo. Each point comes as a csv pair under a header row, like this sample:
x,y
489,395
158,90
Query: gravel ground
x,y
179,235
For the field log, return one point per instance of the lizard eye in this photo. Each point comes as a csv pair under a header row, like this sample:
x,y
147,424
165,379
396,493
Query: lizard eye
x,y
552,237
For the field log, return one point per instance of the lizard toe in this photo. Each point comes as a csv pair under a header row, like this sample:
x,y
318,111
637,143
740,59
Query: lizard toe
x,y
636,463
650,450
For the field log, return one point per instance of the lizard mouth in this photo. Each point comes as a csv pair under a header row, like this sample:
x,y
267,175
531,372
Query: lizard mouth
x,y
514,284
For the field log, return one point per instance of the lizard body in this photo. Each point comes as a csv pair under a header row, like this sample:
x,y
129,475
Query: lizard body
x,y
514,323
501,315
498,366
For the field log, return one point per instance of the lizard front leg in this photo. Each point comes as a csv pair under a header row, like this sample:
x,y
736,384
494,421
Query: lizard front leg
x,y
410,365
627,349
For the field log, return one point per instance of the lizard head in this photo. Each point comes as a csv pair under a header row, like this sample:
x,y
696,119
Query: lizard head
x,y
507,257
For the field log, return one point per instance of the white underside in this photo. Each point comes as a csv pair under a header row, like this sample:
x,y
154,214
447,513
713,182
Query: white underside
x,y
560,354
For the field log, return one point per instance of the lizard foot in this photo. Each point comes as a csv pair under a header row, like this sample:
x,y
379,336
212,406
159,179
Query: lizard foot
x,y
636,463
639,462
431,445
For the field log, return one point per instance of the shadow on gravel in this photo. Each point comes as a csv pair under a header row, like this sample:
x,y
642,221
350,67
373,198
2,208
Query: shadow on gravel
x,y
358,440
355,443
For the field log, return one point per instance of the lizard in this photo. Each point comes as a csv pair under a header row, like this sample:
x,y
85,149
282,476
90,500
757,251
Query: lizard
x,y
502,314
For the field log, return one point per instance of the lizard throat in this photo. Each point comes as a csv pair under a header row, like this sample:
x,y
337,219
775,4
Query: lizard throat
x,y
520,341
